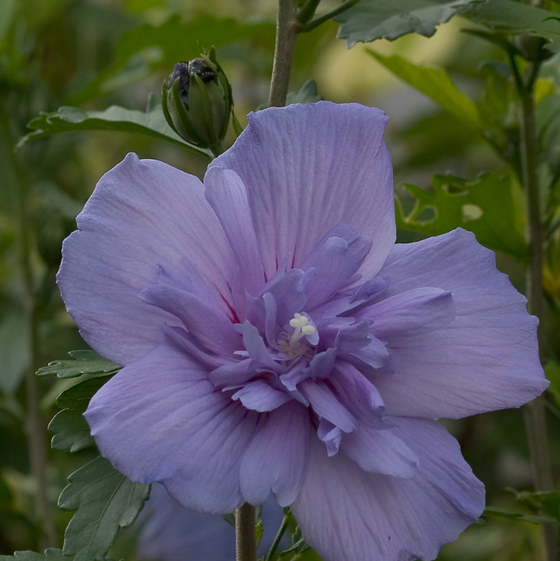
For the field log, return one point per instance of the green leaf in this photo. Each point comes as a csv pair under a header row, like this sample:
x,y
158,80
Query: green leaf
x,y
71,430
436,84
307,94
84,362
546,503
512,514
370,20
516,18
148,48
487,206
49,555
115,118
104,501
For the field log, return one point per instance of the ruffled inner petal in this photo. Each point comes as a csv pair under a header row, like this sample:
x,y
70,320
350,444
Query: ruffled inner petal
x,y
276,460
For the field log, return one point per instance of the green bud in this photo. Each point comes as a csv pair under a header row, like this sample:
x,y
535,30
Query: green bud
x,y
197,101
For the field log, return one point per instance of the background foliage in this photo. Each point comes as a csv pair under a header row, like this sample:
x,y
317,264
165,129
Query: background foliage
x,y
69,66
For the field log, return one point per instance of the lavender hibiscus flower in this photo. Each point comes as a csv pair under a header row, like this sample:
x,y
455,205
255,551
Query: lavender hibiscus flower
x,y
275,339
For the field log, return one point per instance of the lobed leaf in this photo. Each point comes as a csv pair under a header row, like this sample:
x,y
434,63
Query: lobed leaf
x,y
84,362
69,119
71,430
104,501
487,206
517,18
370,20
437,85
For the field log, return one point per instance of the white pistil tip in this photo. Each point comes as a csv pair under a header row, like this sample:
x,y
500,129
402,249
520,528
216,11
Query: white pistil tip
x,y
298,321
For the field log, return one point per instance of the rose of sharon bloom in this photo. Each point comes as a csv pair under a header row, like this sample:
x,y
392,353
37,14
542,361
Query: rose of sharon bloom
x,y
274,337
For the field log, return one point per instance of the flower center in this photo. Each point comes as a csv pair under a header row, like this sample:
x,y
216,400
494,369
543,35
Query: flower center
x,y
301,329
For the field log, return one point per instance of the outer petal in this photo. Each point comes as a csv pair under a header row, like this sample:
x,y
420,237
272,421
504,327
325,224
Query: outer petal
x,y
169,532
309,167
347,513
160,419
276,459
485,359
228,197
142,214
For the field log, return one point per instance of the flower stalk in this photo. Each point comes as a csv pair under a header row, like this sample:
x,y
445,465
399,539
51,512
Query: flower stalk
x,y
245,542
287,30
535,419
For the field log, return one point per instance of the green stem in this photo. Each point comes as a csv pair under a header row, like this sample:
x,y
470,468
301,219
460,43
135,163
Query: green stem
x,y
35,427
245,539
287,29
329,15
535,419
278,538
307,11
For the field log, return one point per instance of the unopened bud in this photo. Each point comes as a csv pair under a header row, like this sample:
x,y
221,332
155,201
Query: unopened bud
x,y
197,101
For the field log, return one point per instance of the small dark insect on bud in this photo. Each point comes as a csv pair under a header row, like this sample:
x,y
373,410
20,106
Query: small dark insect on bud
x,y
197,101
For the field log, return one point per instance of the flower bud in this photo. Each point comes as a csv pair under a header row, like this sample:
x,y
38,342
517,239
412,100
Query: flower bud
x,y
197,101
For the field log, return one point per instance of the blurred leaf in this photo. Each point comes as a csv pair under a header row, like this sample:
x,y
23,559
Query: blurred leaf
x,y
436,84
552,370
148,48
115,118
496,38
544,87
370,20
14,351
71,430
512,514
7,13
104,501
545,502
486,206
516,18
84,362
307,94
49,555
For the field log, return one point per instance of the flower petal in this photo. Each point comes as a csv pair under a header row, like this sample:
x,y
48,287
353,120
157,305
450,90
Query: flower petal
x,y
276,459
204,319
310,167
260,396
380,451
414,312
347,513
485,359
326,405
160,419
142,214
228,197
